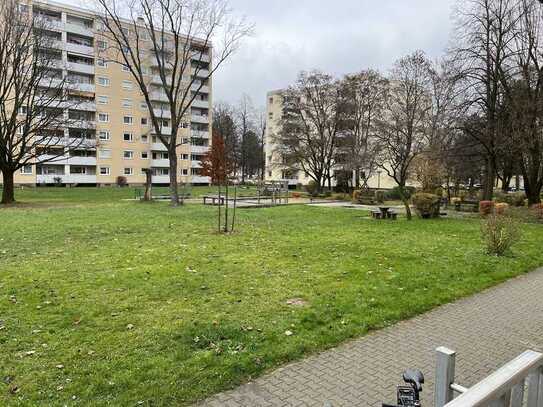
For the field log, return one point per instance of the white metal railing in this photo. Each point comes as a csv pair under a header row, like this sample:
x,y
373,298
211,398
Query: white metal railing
x,y
518,383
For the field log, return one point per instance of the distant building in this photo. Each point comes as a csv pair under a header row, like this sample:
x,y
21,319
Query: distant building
x,y
275,170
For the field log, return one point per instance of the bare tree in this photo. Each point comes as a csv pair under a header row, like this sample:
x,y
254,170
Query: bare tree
x,y
364,96
524,95
172,48
484,34
310,126
404,126
246,126
36,100
224,123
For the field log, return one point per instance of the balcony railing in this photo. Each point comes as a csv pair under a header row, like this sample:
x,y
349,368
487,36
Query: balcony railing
x,y
79,49
196,118
160,163
79,29
83,68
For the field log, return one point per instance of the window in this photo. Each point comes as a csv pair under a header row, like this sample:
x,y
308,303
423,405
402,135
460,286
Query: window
x,y
144,121
127,85
104,153
269,173
184,156
104,171
271,115
143,106
125,68
185,171
103,100
102,45
128,137
128,154
144,155
271,101
103,117
184,141
22,110
26,170
128,171
102,81
127,103
101,62
145,138
104,135
128,120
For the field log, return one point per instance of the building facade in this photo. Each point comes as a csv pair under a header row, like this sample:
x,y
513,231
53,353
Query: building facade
x,y
113,118
276,171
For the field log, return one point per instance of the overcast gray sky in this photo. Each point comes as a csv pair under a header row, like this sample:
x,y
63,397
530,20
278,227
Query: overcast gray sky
x,y
338,37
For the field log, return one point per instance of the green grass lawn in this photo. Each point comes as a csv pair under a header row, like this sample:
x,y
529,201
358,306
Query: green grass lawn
x,y
63,196
116,302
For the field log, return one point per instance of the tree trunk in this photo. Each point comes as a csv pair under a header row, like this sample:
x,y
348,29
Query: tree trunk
x,y
405,202
8,191
148,196
174,191
490,176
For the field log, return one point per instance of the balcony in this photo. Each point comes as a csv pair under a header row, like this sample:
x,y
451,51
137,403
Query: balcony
x,y
79,29
195,164
83,87
202,73
197,179
79,49
196,87
160,179
158,147
82,68
86,161
160,163
199,134
81,124
204,104
203,57
196,118
158,97
52,82
158,81
164,114
199,149
67,179
48,23
166,131
86,106
80,143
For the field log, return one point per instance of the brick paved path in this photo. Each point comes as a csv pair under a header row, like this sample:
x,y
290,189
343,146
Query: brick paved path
x,y
486,330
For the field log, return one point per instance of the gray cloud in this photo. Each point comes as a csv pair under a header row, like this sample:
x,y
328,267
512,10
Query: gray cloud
x,y
337,37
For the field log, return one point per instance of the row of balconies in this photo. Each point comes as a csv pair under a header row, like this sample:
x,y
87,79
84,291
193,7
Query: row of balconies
x,y
93,179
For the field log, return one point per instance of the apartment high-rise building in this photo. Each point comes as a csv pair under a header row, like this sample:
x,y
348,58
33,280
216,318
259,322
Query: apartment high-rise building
x,y
275,170
112,116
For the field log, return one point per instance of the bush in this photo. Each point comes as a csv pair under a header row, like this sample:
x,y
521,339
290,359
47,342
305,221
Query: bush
x,y
500,208
499,234
363,197
500,196
517,199
486,207
426,205
394,193
312,188
122,181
